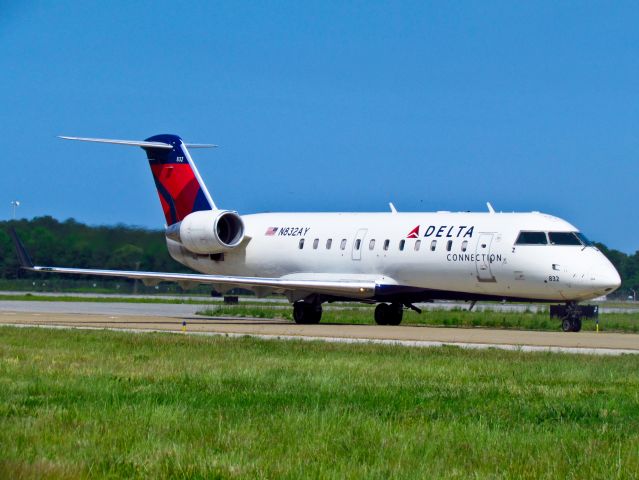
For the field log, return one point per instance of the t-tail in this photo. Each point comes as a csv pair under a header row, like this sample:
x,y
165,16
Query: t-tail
x,y
179,184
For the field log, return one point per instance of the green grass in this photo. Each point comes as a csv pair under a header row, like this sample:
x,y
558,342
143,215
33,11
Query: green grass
x,y
117,405
527,320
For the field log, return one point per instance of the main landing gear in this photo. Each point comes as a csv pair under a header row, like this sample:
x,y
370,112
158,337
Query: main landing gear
x,y
307,313
310,312
386,314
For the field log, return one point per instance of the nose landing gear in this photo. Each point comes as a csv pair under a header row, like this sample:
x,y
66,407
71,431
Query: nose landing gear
x,y
569,324
572,314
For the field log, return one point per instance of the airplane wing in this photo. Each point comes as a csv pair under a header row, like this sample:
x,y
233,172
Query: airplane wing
x,y
294,289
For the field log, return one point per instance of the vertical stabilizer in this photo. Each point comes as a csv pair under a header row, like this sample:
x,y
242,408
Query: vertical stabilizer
x,y
180,187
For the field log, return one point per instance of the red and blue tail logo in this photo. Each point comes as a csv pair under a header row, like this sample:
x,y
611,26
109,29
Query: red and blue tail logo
x,y
178,182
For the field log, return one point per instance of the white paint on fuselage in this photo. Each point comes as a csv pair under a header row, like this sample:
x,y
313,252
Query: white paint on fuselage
x,y
491,263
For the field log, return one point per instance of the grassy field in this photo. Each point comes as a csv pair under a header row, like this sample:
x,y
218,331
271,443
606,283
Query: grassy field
x,y
108,404
528,320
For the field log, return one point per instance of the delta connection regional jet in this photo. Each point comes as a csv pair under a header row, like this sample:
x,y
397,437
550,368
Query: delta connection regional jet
x,y
392,259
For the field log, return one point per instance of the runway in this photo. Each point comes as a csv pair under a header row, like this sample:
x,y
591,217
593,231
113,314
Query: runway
x,y
105,316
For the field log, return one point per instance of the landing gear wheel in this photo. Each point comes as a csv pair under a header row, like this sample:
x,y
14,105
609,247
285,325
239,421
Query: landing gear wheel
x,y
307,313
569,324
382,313
386,314
576,324
396,314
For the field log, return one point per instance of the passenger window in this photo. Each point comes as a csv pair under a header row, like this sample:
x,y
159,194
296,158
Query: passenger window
x,y
563,238
301,245
386,244
358,242
418,244
401,244
531,238
315,243
371,244
329,243
343,244
449,245
464,245
433,245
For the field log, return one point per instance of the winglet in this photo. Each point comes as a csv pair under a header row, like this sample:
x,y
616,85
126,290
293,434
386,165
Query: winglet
x,y
23,255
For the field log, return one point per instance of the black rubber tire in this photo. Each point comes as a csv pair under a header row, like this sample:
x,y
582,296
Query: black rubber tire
x,y
576,324
566,324
306,313
382,312
299,312
396,312
314,314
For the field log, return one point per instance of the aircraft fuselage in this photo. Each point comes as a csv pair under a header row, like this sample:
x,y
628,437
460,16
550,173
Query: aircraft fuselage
x,y
417,256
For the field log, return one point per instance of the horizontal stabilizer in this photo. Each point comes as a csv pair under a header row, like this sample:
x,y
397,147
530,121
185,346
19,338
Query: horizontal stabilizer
x,y
137,143
200,145
134,143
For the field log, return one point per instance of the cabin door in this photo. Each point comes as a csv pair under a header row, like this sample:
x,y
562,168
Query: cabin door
x,y
482,258
358,244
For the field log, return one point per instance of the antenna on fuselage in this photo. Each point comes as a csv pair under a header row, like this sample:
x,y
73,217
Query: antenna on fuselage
x,y
490,208
392,207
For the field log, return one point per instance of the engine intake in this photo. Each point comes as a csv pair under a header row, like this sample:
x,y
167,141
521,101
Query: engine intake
x,y
208,231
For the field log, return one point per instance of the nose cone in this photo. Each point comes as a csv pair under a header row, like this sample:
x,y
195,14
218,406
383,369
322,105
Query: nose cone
x,y
613,279
606,277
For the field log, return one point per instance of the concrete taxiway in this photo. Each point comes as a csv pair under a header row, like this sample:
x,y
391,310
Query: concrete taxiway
x,y
628,307
170,318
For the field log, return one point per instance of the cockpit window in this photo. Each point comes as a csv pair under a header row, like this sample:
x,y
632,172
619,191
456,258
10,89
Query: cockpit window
x,y
563,238
531,238
585,240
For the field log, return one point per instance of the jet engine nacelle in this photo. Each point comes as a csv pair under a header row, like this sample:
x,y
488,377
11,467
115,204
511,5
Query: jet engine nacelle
x,y
208,231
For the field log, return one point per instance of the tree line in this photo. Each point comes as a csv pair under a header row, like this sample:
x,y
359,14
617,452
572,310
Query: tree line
x,y
71,243
121,247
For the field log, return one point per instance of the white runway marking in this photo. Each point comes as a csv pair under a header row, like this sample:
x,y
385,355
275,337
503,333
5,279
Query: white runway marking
x,y
404,343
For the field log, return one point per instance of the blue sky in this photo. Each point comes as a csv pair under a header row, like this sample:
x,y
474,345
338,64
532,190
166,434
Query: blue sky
x,y
327,106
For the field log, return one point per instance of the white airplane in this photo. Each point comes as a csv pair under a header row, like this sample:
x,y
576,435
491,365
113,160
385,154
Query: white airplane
x,y
392,259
